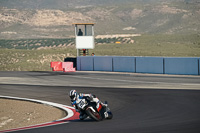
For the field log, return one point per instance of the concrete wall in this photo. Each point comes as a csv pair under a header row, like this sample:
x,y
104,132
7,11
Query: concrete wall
x,y
78,63
87,64
149,65
157,65
186,66
199,65
103,63
124,64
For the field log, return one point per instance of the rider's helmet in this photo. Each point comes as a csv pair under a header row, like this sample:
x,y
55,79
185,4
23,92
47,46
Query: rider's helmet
x,y
73,95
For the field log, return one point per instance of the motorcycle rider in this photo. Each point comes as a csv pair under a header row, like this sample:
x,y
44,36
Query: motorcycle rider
x,y
92,98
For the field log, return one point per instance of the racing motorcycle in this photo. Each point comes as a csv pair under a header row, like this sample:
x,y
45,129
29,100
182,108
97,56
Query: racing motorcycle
x,y
97,113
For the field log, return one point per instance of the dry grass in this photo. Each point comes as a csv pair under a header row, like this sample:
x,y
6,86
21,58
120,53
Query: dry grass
x,y
31,60
16,113
154,45
145,45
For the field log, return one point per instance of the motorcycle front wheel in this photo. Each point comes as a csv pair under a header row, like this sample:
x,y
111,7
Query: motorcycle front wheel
x,y
93,115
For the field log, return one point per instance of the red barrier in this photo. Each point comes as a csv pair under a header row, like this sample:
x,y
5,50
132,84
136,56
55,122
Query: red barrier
x,y
56,66
63,66
68,67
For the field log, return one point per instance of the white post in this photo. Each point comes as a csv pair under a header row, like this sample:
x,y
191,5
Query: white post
x,y
75,40
92,30
75,30
85,30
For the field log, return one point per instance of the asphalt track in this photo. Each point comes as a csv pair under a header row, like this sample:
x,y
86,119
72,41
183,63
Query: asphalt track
x,y
140,103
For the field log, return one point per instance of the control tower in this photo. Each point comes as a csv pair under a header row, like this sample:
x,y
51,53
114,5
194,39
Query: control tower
x,y
84,35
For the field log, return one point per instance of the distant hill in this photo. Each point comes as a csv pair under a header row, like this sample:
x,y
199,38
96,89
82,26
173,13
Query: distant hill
x,y
64,4
53,19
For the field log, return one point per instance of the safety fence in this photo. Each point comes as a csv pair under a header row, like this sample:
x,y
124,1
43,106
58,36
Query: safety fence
x,y
155,65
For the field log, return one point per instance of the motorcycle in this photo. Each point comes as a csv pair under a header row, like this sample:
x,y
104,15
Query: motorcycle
x,y
97,113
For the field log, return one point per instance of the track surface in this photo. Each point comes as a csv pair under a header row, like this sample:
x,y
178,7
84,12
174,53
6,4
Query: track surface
x,y
140,103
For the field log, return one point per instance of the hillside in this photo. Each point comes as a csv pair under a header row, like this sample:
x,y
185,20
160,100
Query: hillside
x,y
53,19
40,55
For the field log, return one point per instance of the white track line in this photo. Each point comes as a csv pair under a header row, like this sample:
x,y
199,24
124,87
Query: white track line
x,y
134,81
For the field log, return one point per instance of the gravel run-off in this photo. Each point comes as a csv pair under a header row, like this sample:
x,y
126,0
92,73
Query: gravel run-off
x,y
18,113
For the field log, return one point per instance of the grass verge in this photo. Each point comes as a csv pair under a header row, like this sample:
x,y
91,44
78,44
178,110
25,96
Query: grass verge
x,y
145,45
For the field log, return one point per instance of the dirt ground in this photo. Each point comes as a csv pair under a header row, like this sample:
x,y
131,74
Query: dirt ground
x,y
17,113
